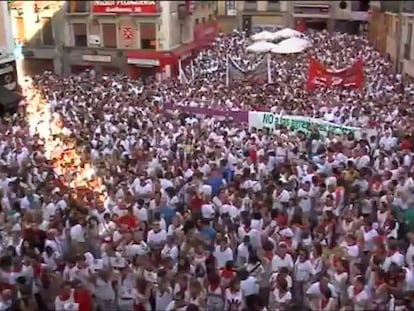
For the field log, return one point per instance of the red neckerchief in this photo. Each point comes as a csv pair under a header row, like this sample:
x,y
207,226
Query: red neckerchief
x,y
17,269
288,241
246,229
64,296
37,269
324,302
227,274
213,287
268,255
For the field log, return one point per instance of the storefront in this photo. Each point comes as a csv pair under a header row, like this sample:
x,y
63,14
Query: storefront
x,y
78,60
205,33
33,66
8,75
162,64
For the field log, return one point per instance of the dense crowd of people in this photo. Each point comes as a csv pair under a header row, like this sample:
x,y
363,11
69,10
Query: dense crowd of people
x,y
109,203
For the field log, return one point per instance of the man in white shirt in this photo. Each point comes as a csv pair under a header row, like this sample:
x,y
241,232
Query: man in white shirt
x,y
157,236
282,259
223,253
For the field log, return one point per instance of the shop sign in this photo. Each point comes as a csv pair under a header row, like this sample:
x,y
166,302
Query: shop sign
x,y
97,58
143,62
124,7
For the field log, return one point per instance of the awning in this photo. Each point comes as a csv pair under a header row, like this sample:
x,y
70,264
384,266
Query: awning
x,y
8,99
184,51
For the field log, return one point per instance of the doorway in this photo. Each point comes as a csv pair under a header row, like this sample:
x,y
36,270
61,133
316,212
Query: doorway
x,y
247,24
317,24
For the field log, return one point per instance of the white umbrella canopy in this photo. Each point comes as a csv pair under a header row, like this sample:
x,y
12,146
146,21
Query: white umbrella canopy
x,y
286,33
263,36
291,46
261,47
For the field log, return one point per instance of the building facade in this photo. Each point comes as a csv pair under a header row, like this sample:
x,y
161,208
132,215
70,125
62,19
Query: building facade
x,y
343,16
38,33
253,16
8,72
138,38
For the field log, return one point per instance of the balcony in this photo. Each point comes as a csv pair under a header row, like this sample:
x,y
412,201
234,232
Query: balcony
x,y
273,6
308,10
250,6
78,7
311,3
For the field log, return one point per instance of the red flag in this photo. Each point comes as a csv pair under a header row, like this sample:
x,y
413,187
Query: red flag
x,y
319,75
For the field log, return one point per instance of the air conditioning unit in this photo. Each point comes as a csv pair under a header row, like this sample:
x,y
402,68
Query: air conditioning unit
x,y
94,40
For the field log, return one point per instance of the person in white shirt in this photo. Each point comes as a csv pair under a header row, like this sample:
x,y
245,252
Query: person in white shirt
x,y
223,253
249,287
282,259
157,236
170,249
394,257
360,298
302,273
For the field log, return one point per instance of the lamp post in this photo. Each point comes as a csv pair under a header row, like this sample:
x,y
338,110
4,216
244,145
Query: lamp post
x,y
399,36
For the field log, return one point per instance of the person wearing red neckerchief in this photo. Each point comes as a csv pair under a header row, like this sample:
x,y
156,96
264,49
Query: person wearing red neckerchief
x,y
227,273
83,297
360,299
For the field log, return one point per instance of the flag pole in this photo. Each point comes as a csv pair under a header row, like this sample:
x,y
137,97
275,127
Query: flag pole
x,y
180,71
192,70
227,71
269,70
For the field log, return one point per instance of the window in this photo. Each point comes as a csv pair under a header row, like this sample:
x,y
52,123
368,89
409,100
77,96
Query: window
x,y
197,21
80,34
20,31
364,5
47,32
210,17
78,6
109,35
203,20
148,36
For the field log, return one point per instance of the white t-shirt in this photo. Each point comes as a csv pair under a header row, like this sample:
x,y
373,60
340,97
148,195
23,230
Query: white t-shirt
x,y
249,286
157,237
278,262
77,233
222,256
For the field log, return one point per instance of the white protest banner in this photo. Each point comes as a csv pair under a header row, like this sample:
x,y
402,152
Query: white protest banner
x,y
260,120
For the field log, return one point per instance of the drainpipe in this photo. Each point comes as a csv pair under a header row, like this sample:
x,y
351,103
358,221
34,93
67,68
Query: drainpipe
x,y
399,37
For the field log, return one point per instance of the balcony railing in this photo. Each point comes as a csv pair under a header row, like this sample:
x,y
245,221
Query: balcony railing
x,y
74,7
250,6
273,6
311,10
